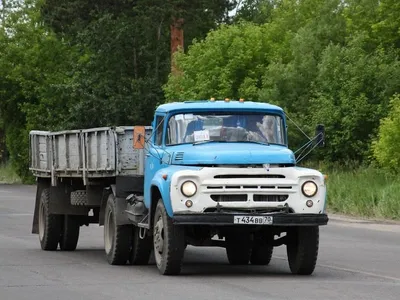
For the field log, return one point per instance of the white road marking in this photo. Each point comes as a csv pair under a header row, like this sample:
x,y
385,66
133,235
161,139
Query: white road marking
x,y
351,270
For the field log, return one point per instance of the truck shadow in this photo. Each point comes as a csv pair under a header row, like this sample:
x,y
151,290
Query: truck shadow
x,y
204,262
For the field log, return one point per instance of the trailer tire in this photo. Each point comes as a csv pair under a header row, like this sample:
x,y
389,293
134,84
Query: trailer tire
x,y
79,197
169,242
302,249
238,248
141,248
117,238
70,233
49,224
261,255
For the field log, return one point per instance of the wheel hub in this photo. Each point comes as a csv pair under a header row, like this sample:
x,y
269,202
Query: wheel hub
x,y
109,232
159,236
41,221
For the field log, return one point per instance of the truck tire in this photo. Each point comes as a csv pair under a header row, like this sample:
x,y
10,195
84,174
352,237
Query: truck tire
x,y
261,255
238,248
169,242
117,238
49,224
79,198
141,248
70,233
302,249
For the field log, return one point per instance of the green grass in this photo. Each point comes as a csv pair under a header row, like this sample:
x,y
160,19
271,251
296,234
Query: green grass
x,y
8,175
366,192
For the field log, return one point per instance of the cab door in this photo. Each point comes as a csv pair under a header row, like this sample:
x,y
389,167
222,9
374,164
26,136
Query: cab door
x,y
155,155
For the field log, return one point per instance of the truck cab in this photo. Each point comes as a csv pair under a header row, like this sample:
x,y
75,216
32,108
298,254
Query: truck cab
x,y
223,169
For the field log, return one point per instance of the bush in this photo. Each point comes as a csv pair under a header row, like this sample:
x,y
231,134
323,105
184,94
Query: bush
x,y
385,147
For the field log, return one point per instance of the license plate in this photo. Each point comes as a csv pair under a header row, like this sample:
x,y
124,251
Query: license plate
x,y
253,220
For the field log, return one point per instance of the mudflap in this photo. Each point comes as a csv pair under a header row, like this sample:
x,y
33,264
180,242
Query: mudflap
x,y
121,206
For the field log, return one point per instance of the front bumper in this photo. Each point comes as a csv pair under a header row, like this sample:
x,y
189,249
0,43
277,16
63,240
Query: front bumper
x,y
227,219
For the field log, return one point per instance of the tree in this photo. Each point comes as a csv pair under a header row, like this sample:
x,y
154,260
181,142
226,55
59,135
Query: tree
x,y
319,60
33,66
228,63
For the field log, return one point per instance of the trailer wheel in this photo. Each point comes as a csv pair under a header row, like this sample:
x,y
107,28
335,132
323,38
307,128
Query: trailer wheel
x,y
70,233
169,242
141,247
117,238
49,224
261,255
302,249
238,248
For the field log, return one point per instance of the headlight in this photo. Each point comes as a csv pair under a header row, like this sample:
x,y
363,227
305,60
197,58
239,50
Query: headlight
x,y
309,188
188,188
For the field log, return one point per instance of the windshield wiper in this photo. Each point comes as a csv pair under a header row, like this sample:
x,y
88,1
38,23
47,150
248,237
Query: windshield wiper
x,y
255,142
212,141
208,141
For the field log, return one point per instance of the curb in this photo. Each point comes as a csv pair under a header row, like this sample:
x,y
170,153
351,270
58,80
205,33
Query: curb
x,y
350,219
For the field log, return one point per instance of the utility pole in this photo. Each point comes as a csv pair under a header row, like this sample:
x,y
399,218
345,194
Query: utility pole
x,y
177,40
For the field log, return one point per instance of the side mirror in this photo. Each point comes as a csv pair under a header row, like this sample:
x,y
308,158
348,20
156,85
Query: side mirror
x,y
139,137
320,135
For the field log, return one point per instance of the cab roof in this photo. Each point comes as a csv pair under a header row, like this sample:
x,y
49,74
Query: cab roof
x,y
206,105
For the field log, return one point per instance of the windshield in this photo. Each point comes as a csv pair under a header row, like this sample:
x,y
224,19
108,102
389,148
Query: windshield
x,y
225,127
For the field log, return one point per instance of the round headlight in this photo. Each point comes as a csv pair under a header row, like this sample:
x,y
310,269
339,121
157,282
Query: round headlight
x,y
188,188
309,188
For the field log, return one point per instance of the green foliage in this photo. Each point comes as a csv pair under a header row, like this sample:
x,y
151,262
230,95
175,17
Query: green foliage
x,y
78,64
34,64
351,99
228,63
330,62
385,147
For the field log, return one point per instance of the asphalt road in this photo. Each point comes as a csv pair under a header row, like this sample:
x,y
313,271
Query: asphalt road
x,y
356,261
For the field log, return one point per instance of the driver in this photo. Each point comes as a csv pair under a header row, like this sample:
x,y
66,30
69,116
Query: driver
x,y
267,128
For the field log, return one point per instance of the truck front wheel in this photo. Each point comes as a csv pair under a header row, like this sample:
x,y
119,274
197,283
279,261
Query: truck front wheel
x,y
169,242
238,248
49,224
117,238
261,255
302,249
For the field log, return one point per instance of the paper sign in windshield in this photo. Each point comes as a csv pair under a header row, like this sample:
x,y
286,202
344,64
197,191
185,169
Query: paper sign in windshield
x,y
201,135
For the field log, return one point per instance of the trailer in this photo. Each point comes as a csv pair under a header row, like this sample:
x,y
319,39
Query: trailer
x,y
206,173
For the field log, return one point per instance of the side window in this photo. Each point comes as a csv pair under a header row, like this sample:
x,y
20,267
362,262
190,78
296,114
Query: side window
x,y
159,129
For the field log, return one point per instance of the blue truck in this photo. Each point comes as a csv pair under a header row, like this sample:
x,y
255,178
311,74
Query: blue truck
x,y
205,173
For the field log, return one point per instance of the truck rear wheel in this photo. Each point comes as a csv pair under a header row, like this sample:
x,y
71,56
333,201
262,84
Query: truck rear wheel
x,y
238,248
302,249
141,247
169,242
261,255
117,238
70,233
49,224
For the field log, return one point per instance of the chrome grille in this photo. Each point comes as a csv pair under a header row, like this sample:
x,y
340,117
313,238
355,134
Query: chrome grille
x,y
270,198
229,198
